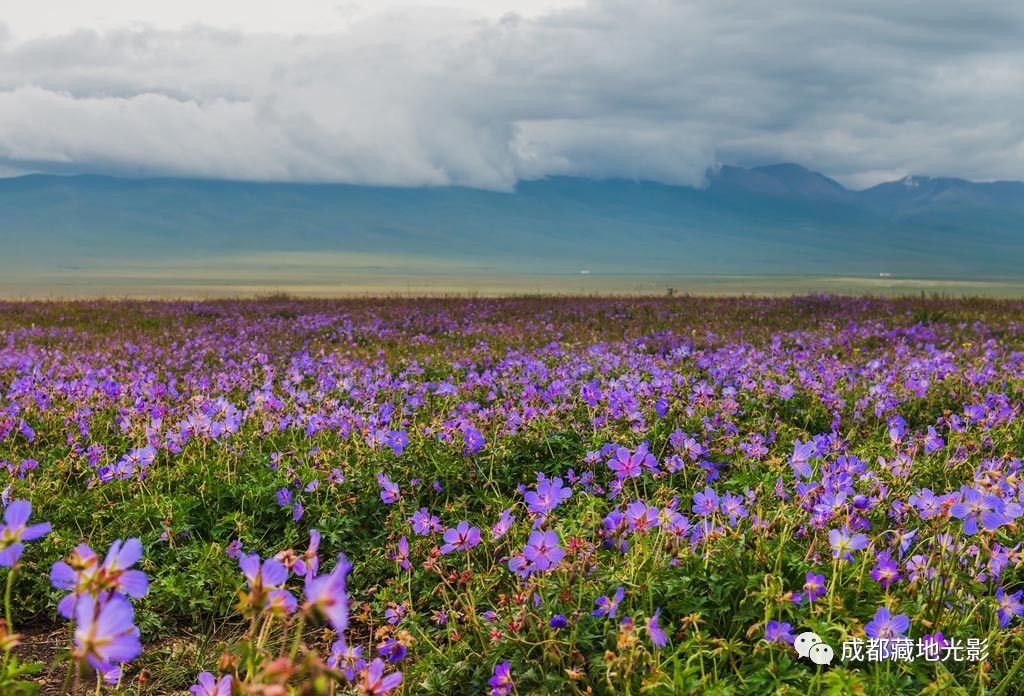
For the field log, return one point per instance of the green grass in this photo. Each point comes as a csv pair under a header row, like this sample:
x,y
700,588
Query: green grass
x,y
513,359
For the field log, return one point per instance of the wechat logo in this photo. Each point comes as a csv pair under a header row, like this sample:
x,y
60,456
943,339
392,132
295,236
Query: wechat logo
x,y
809,645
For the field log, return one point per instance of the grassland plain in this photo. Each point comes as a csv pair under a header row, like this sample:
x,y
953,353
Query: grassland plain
x,y
534,494
329,275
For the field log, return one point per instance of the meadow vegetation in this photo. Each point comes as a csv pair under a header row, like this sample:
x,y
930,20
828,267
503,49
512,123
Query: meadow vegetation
x,y
517,495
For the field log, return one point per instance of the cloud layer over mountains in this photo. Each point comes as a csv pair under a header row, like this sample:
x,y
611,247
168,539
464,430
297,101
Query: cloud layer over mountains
x,y
647,89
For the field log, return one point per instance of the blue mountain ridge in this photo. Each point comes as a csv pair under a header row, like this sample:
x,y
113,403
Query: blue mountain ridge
x,y
777,219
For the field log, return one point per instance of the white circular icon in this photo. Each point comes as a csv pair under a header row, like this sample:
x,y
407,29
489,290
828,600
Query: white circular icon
x,y
810,645
821,654
804,641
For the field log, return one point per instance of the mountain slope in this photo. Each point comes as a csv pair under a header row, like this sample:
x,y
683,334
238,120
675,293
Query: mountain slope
x,y
779,219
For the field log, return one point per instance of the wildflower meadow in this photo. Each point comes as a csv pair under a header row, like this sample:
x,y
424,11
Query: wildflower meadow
x,y
533,495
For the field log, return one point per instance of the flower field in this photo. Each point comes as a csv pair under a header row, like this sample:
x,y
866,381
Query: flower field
x,y
524,495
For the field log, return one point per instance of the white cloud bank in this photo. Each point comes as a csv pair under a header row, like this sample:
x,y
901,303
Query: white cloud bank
x,y
650,89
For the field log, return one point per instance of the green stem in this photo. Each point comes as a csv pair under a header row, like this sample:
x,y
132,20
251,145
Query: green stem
x,y
298,638
7,600
1008,679
72,663
66,687
832,587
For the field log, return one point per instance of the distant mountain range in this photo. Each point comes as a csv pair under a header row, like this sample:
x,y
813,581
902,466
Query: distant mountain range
x,y
777,219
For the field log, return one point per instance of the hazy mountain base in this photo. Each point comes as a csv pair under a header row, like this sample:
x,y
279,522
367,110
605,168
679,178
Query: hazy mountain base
x,y
340,275
773,221
772,230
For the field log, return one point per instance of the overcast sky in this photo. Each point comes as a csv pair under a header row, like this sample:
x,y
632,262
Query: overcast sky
x,y
487,92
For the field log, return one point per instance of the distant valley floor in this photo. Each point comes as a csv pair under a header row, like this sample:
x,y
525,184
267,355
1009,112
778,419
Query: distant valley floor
x,y
211,281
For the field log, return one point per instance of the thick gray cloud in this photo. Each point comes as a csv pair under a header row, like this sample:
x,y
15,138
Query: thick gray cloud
x,y
651,89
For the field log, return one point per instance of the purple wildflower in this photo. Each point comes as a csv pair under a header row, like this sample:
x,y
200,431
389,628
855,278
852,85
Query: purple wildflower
x,y
844,543
501,683
803,452
640,516
389,490
309,563
548,496
975,508
105,631
461,538
885,625
779,632
886,570
654,632
271,573
84,574
394,614
503,524
542,550
234,549
732,507
392,650
705,503
401,556
16,530
625,464
474,440
814,586
349,659
208,685
1010,605
423,523
326,596
609,607
374,683
933,442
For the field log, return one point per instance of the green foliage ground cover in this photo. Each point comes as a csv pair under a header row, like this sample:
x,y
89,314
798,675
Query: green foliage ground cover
x,y
211,429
